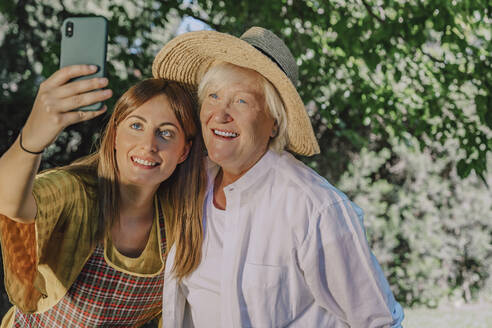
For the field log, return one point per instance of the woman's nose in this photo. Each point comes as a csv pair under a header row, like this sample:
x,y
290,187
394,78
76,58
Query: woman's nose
x,y
150,141
222,113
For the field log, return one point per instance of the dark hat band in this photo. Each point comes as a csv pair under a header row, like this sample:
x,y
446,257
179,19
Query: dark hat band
x,y
271,58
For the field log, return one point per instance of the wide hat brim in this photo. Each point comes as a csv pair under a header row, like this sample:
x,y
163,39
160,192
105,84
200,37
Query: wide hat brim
x,y
188,56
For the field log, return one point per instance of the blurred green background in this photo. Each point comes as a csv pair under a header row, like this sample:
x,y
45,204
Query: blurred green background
x,y
399,93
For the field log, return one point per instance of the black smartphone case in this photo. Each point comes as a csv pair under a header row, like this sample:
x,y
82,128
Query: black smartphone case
x,y
84,41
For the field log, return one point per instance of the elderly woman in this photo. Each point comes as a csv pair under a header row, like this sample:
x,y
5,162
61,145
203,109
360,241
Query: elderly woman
x,y
282,246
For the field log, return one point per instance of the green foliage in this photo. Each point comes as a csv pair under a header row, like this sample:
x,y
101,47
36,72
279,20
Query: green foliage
x,y
430,229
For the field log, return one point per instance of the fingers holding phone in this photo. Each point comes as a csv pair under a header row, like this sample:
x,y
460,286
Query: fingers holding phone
x,y
53,108
68,73
79,93
60,93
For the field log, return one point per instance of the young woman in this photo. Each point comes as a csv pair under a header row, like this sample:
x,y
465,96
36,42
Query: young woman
x,y
84,245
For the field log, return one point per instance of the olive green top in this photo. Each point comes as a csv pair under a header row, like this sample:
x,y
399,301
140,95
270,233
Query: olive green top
x,y
65,229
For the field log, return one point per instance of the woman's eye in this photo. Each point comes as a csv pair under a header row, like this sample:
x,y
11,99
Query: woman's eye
x,y
136,126
166,134
213,95
242,101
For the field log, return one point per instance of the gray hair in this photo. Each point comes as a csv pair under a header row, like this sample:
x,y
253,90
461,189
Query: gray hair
x,y
218,74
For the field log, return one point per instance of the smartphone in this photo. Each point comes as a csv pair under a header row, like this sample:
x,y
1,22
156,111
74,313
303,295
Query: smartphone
x,y
84,41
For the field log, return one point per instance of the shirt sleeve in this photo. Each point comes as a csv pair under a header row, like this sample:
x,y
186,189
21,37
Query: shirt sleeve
x,y
341,271
54,192
23,245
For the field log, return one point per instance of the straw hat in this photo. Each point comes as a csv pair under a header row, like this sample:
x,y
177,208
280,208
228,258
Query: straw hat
x,y
187,57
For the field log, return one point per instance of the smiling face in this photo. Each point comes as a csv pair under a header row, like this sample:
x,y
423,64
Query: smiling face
x,y
235,122
149,144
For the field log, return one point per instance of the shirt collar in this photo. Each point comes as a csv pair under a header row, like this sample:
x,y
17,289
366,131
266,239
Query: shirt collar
x,y
255,173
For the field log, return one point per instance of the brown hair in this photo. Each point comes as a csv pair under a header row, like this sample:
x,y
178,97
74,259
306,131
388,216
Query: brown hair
x,y
181,194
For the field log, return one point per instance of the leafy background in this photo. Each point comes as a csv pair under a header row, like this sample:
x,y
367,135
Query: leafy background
x,y
399,93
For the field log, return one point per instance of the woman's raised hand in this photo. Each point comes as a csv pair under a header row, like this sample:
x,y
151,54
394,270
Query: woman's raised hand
x,y
53,109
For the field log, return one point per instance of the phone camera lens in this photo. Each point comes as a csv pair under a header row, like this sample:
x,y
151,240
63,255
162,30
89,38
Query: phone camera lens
x,y
69,29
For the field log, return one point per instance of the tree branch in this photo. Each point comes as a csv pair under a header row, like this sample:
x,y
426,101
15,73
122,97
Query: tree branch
x,y
190,13
369,10
431,56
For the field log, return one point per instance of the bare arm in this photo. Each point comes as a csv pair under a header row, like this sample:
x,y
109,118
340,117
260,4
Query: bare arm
x,y
50,114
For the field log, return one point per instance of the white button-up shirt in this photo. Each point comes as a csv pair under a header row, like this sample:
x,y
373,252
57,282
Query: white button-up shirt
x,y
202,287
294,254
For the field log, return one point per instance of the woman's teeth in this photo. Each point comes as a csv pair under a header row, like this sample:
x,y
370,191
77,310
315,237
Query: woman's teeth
x,y
225,134
144,162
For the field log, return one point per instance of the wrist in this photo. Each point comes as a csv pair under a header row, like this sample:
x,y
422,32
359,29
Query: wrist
x,y
32,152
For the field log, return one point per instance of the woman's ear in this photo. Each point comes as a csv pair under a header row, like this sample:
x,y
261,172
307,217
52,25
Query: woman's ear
x,y
274,130
186,151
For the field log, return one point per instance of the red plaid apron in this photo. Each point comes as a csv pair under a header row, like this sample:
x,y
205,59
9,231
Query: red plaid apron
x,y
103,297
